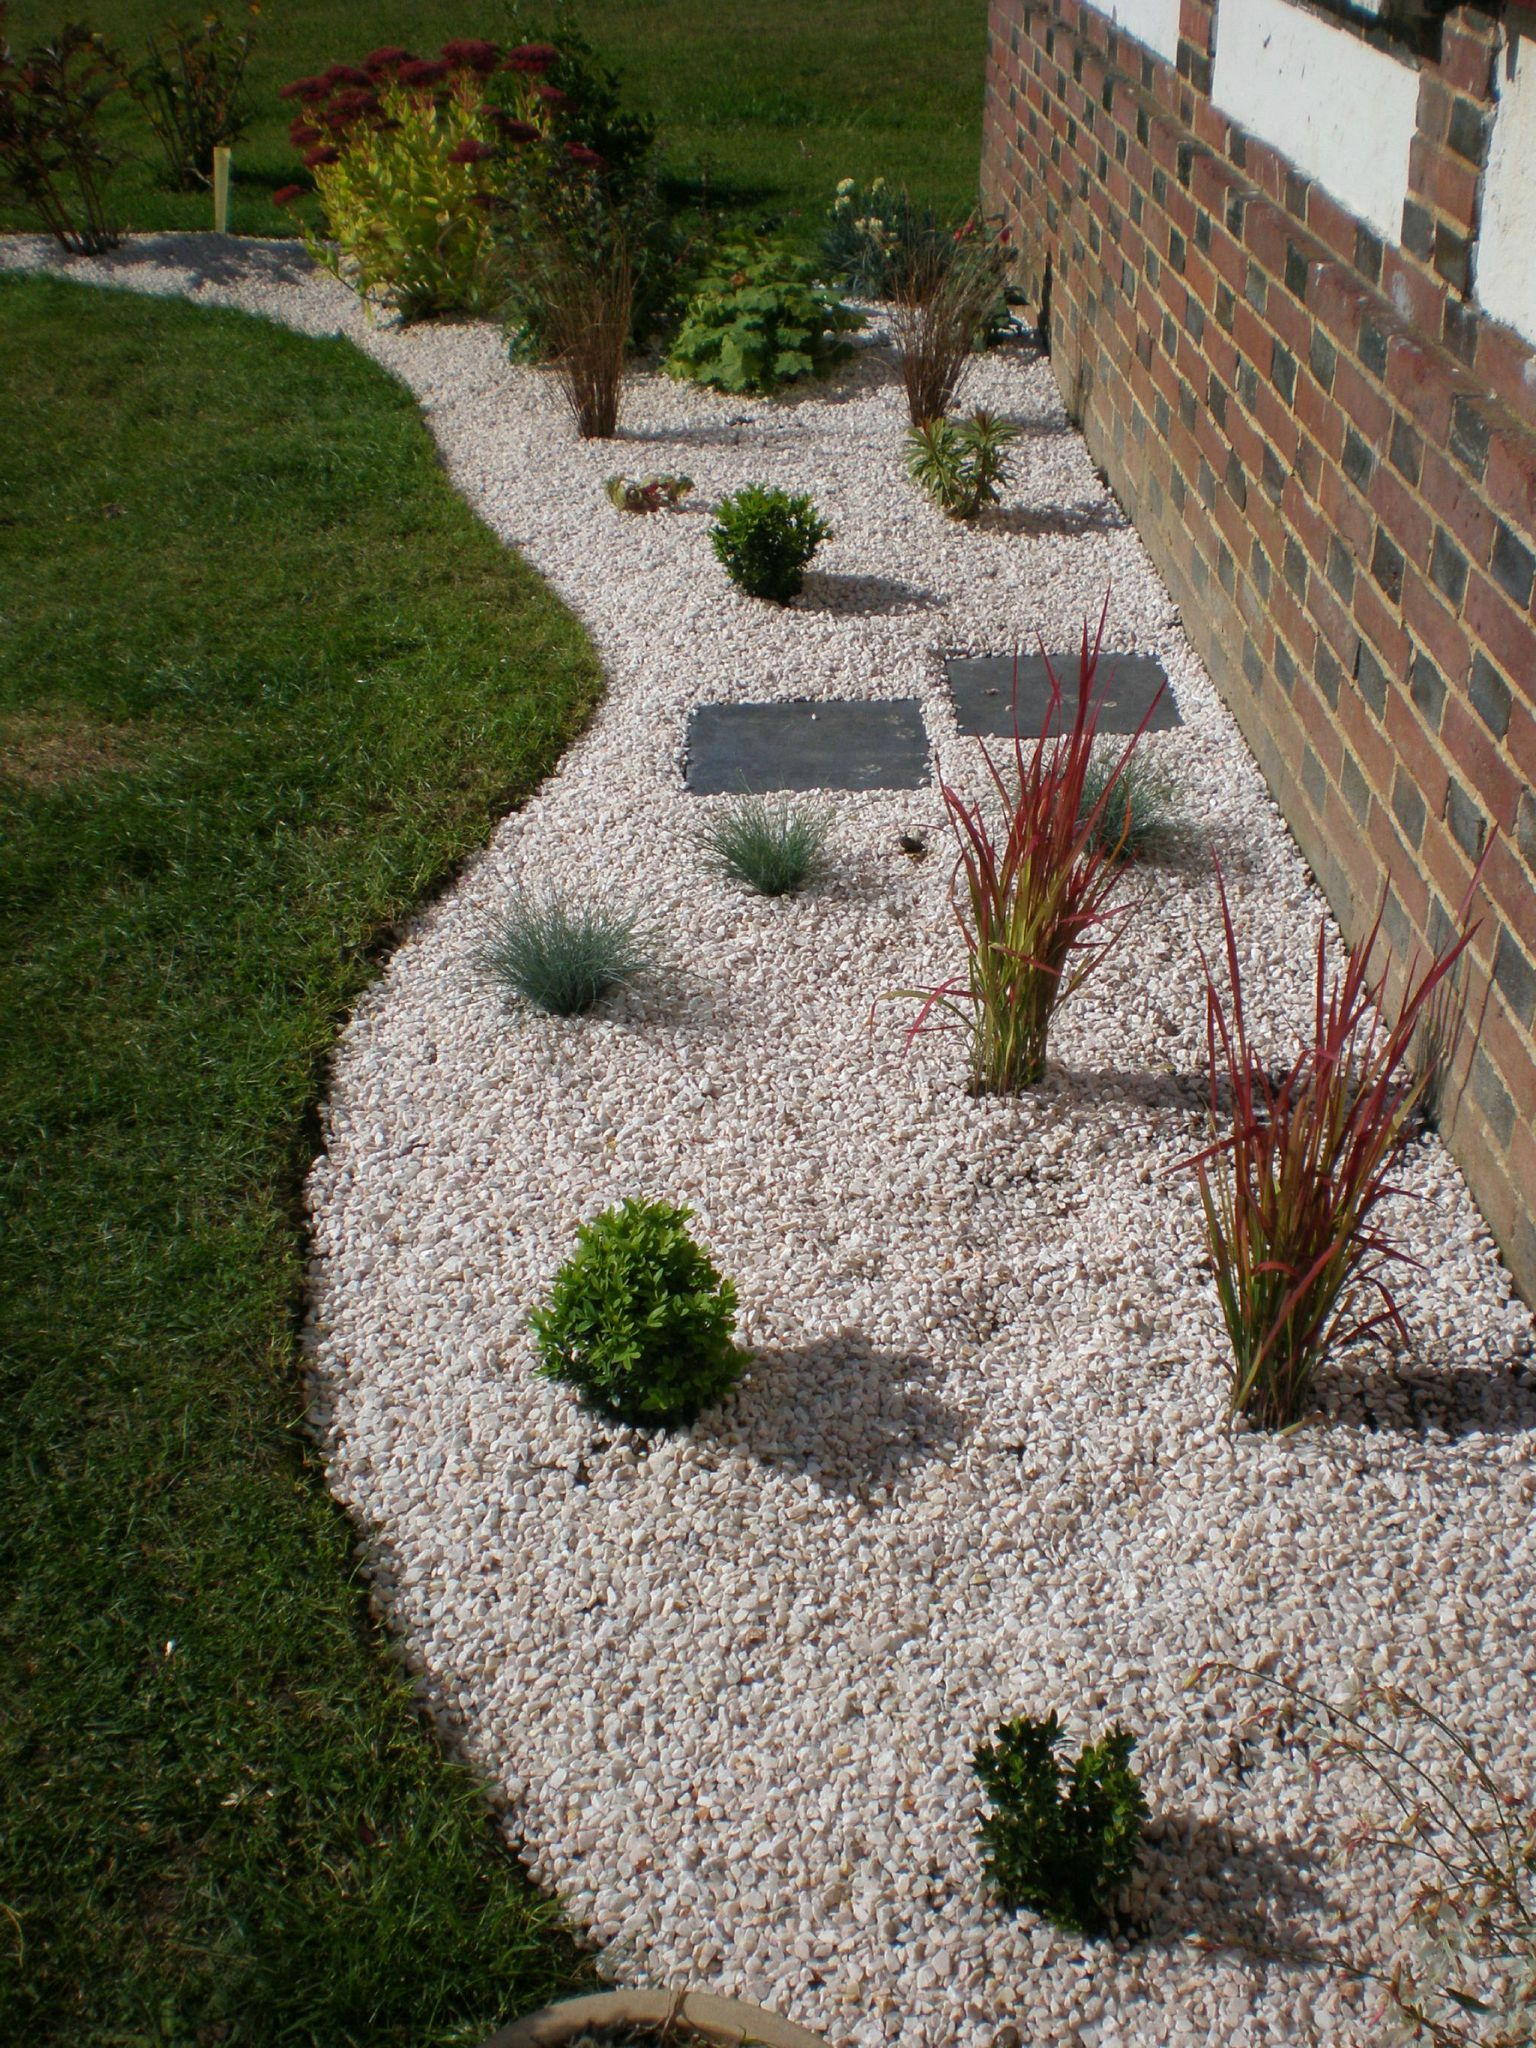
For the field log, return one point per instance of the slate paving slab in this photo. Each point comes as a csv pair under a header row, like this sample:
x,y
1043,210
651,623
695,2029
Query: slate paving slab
x,y
846,744
981,687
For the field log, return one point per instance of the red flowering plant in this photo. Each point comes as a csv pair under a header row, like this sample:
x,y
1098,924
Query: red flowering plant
x,y
54,161
425,165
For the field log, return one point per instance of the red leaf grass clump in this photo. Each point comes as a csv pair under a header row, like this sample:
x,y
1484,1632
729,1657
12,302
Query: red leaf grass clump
x,y
1290,1192
1034,906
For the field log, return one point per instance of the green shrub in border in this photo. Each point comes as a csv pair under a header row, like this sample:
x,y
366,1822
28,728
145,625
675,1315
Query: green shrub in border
x,y
1062,1839
639,1320
758,320
765,538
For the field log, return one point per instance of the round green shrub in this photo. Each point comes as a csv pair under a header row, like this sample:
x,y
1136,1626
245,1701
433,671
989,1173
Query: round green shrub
x,y
639,1320
765,538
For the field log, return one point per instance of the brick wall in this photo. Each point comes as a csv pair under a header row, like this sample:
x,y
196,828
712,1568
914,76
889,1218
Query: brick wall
x,y
1331,455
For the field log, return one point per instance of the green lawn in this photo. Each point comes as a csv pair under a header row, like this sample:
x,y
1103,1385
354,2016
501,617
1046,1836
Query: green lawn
x,y
770,101
264,680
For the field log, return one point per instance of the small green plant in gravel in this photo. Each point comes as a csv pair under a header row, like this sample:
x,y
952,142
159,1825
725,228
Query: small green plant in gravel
x,y
1061,1839
648,493
765,538
961,464
776,848
565,958
639,1320
1137,820
759,320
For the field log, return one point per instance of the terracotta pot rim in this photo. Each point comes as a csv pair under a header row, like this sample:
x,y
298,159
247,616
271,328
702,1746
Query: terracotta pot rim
x,y
729,2021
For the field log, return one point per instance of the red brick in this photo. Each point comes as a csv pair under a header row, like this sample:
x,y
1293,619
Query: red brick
x,y
1420,379
1436,628
1508,635
1362,404
1466,55
1511,477
1401,513
1508,366
1380,626
1481,762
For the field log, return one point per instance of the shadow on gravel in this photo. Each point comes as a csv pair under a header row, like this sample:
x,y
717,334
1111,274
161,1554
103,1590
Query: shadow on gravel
x,y
842,1413
213,259
1088,515
1210,1882
1421,1397
864,597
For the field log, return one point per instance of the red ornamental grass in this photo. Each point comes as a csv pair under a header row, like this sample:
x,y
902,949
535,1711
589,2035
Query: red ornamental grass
x,y
1034,905
469,54
1290,1192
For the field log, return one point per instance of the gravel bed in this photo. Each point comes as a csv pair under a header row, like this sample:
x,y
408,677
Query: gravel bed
x,y
728,1682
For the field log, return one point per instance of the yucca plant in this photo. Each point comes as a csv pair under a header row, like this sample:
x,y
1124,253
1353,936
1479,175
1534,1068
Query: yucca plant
x,y
564,958
961,464
778,848
1032,902
1291,1190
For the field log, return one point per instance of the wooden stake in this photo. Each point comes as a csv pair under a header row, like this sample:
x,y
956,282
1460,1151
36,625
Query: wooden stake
x,y
221,188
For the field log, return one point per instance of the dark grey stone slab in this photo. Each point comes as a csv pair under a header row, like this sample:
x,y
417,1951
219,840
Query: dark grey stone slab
x,y
849,744
982,689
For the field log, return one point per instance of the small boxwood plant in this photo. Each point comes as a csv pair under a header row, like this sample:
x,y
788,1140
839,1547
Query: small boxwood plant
x,y
765,538
758,320
639,1320
777,848
1062,1839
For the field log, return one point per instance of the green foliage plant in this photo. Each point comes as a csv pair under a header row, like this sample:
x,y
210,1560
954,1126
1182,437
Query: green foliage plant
x,y
1062,1839
1033,901
870,233
639,1320
55,162
759,320
191,87
564,958
648,493
765,538
1290,1192
777,848
961,464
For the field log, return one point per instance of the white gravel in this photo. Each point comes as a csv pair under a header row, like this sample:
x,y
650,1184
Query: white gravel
x,y
728,1682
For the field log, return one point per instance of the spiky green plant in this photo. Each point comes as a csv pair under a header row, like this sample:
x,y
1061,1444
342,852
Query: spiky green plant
x,y
777,848
564,958
961,464
1062,1839
1291,1190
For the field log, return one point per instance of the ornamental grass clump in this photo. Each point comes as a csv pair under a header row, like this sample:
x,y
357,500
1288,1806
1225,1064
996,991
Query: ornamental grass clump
x,y
54,161
585,287
961,464
1291,1191
1138,822
946,295
639,1320
1033,904
565,958
1062,1839
776,848
765,537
